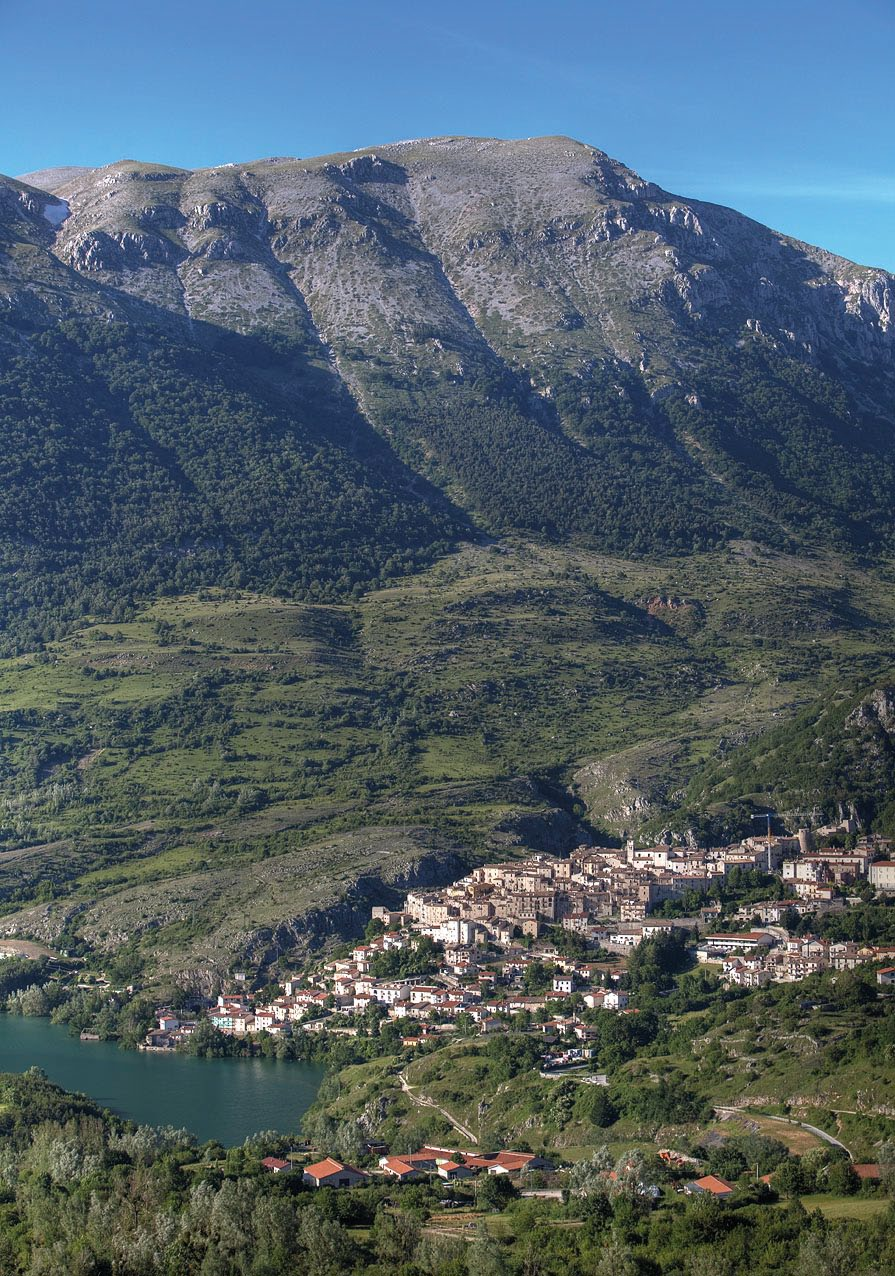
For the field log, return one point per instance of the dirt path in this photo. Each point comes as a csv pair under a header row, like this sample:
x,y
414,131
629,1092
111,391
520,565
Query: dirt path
x,y
24,948
423,1101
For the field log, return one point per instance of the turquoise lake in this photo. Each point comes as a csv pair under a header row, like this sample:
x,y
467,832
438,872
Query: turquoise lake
x,y
225,1099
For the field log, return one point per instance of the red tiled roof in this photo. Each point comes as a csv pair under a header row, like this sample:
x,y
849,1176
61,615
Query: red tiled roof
x,y
321,1169
400,1165
510,1161
866,1171
717,1186
513,1160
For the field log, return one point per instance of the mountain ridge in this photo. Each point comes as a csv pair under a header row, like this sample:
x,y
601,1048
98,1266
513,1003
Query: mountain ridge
x,y
349,171
572,315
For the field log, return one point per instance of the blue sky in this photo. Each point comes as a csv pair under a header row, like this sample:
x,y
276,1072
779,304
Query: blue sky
x,y
783,110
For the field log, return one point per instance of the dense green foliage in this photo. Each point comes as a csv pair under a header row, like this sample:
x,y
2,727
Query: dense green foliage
x,y
788,438
133,466
654,962
517,468
837,753
419,958
194,466
86,1193
603,462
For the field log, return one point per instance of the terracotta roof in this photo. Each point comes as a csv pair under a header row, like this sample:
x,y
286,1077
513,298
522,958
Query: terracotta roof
x,y
711,1183
514,1160
322,1169
399,1165
866,1171
509,1161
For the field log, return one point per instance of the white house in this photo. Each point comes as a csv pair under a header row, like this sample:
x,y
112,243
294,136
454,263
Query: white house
x,y
331,1173
882,875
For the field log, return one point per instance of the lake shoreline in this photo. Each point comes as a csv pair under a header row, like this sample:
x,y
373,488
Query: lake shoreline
x,y
224,1104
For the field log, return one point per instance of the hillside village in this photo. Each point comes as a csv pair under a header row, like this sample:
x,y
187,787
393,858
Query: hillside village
x,y
543,943
546,938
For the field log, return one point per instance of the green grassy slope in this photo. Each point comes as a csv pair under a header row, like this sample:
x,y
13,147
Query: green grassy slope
x,y
732,1068
216,730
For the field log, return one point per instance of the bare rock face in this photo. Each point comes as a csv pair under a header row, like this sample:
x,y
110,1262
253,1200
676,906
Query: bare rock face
x,y
437,231
877,709
99,251
526,274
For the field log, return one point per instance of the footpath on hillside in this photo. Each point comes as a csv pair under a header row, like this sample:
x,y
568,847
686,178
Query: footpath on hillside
x,y
423,1101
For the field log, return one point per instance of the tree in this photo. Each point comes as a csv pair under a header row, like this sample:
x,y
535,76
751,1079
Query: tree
x,y
727,1161
439,1255
706,1219
852,990
842,1179
395,1235
493,1191
887,1165
828,1252
328,1246
594,1105
485,1256
586,1177
616,1259
655,961
790,1179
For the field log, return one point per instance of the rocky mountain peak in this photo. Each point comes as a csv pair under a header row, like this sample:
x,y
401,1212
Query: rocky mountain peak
x,y
538,278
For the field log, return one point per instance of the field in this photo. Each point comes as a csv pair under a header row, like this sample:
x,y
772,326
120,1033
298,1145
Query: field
x,y
847,1206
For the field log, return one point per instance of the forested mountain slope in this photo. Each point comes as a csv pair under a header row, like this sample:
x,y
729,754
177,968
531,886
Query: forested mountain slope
x,y
560,345
836,757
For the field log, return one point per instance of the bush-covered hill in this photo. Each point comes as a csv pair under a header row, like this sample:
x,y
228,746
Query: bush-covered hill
x,y
835,756
818,1053
133,465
